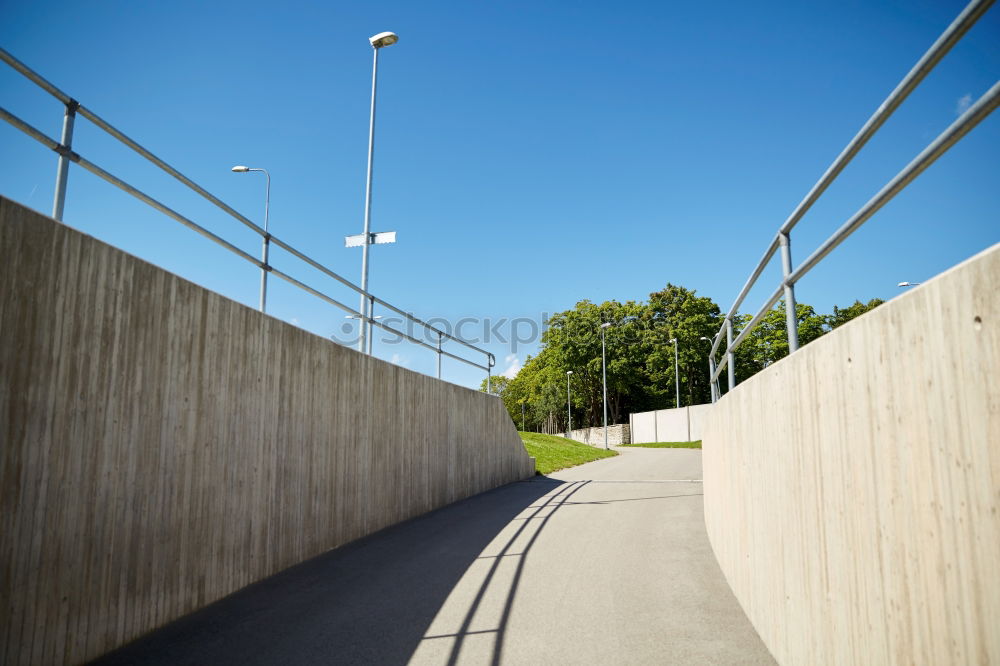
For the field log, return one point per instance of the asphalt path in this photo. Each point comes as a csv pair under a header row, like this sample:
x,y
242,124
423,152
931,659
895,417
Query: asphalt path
x,y
605,563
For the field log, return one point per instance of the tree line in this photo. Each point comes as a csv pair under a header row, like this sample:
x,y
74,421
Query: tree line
x,y
640,356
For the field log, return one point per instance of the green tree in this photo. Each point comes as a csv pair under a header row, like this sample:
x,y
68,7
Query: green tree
x,y
677,312
640,356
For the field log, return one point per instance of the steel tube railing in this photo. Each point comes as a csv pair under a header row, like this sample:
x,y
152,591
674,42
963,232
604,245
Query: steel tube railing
x,y
119,183
326,271
761,265
34,77
982,108
962,126
952,34
332,301
66,155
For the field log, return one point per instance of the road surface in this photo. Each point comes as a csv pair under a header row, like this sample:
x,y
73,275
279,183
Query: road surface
x,y
606,563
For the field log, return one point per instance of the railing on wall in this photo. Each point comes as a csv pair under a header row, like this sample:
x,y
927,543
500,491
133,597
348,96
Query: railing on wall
x,y
67,155
968,120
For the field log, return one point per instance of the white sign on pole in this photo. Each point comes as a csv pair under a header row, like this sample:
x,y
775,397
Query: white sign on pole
x,y
376,238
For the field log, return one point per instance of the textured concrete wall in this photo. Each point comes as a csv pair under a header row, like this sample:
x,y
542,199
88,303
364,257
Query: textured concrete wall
x,y
852,490
163,446
617,434
669,425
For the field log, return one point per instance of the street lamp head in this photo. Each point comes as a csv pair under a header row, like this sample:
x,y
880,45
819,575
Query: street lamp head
x,y
907,284
606,324
241,169
383,39
704,338
673,340
569,372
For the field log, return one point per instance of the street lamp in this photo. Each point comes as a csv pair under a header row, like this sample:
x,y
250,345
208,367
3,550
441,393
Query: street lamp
x,y
267,236
907,284
711,368
569,412
604,382
522,416
378,41
677,377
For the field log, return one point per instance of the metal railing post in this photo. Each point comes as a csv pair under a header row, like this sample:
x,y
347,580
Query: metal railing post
x,y
730,358
265,242
439,354
791,316
711,374
369,324
264,252
62,170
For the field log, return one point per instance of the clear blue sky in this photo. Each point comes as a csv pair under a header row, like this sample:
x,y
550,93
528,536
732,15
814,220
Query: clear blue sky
x,y
529,154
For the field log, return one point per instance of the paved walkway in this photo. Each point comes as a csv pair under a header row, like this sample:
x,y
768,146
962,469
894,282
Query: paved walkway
x,y
606,563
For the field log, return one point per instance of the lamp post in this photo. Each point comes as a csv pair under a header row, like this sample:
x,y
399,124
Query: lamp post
x,y
677,378
267,236
569,409
522,417
604,382
378,41
907,284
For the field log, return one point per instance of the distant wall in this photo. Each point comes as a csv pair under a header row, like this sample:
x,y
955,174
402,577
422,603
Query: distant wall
x,y
163,446
852,490
669,425
617,434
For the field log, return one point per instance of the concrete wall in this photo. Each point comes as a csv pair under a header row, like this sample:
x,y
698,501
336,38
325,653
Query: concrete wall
x,y
852,490
163,446
669,425
617,434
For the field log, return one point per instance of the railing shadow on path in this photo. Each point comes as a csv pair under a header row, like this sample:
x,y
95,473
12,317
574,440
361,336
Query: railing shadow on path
x,y
371,601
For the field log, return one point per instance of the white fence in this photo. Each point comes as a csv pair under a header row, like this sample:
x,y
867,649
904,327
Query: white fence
x,y
668,425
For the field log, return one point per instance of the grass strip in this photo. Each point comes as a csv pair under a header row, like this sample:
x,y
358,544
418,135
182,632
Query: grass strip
x,y
553,453
667,445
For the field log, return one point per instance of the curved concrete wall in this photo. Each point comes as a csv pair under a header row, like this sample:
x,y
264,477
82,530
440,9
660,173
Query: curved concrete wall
x,y
162,446
852,490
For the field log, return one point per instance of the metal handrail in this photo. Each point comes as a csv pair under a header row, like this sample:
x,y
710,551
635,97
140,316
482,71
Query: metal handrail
x,y
965,123
67,154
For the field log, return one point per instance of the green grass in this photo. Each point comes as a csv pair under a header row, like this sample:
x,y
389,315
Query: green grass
x,y
668,445
552,453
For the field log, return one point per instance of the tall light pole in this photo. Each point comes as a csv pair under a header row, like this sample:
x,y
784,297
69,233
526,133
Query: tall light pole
x,y
522,417
569,408
604,381
267,236
677,377
378,41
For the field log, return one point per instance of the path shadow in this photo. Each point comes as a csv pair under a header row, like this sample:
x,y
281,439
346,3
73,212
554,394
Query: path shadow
x,y
370,601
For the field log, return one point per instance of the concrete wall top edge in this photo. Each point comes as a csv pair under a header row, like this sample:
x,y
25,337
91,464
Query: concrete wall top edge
x,y
5,201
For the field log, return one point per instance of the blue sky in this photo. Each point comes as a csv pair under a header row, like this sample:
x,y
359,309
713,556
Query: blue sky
x,y
529,154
